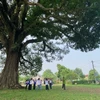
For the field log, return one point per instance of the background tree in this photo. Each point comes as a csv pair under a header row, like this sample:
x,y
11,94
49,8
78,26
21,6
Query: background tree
x,y
46,24
72,76
62,71
66,72
34,73
79,73
48,74
93,75
23,78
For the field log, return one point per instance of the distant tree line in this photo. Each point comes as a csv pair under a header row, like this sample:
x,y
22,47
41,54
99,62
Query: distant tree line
x,y
72,75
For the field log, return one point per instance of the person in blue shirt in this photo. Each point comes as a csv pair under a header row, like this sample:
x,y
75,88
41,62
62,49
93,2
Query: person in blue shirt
x,y
27,83
30,84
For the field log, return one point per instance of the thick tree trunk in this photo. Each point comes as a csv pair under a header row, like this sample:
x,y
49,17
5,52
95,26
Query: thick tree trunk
x,y
9,77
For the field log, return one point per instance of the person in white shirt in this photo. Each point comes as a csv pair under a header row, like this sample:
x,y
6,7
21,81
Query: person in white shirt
x,y
38,83
46,84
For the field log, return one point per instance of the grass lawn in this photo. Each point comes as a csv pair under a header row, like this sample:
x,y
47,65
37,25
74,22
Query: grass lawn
x,y
73,92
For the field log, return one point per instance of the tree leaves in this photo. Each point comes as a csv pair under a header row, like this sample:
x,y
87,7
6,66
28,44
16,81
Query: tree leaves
x,y
54,26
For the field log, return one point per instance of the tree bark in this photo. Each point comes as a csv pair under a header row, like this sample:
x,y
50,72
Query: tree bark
x,y
9,76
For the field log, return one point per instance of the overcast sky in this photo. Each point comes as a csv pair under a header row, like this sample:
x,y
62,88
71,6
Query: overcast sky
x,y
78,59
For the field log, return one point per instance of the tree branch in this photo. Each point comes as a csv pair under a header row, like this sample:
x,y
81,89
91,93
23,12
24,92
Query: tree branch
x,y
43,47
26,60
51,49
41,6
5,6
22,63
3,39
24,13
7,21
31,41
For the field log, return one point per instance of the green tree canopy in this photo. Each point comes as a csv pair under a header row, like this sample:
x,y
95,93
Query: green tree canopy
x,y
62,71
51,27
48,74
66,72
79,73
93,75
72,75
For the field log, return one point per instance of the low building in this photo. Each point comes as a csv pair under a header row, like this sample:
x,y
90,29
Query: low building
x,y
86,77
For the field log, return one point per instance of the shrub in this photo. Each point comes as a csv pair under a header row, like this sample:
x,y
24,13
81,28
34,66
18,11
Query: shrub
x,y
83,82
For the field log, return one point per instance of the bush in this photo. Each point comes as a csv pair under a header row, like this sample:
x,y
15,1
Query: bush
x,y
83,82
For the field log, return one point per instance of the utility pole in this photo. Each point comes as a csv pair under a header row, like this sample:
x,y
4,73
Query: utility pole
x,y
94,71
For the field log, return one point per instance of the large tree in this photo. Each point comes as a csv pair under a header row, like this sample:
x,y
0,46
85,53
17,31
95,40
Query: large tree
x,y
63,71
66,72
46,24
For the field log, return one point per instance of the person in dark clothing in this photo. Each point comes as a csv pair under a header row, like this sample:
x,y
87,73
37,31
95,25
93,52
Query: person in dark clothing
x,y
63,83
50,84
30,84
27,83
34,84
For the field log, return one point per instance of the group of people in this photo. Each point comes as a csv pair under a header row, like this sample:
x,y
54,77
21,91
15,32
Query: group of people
x,y
37,84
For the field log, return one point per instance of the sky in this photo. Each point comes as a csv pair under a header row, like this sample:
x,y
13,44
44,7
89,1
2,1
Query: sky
x,y
76,59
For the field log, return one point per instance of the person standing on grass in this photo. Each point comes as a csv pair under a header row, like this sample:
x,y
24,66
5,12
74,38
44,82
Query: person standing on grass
x,y
27,83
34,84
63,83
46,84
38,83
30,84
50,84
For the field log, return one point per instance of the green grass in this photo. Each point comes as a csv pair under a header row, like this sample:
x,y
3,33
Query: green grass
x,y
73,92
